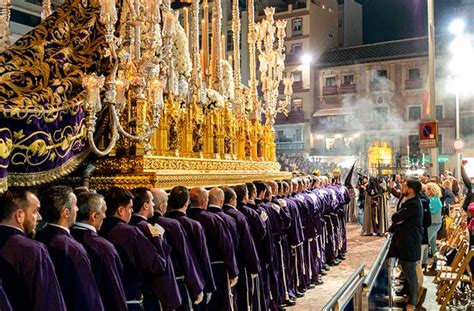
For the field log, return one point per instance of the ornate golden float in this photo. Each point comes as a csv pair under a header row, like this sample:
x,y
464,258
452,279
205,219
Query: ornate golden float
x,y
147,103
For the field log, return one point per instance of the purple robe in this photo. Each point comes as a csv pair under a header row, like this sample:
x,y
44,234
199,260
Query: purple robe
x,y
221,253
73,268
164,286
266,254
138,255
106,267
184,261
197,239
4,302
29,280
247,258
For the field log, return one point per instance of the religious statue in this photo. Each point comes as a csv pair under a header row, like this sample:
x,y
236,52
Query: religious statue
x,y
215,141
173,142
248,146
260,148
197,137
227,141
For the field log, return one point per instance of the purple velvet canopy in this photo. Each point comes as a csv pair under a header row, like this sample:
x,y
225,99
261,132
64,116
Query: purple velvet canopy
x,y
42,121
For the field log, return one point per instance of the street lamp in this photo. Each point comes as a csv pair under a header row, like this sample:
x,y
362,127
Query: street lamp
x,y
461,67
306,59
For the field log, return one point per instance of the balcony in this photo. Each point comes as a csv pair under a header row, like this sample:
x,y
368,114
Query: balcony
x,y
289,146
294,116
329,90
292,58
347,89
413,84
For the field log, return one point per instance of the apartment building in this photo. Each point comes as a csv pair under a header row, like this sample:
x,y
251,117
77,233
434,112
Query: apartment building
x,y
313,26
369,101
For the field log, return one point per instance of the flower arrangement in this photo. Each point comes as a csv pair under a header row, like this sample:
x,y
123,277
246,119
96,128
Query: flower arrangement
x,y
212,99
242,98
181,52
228,80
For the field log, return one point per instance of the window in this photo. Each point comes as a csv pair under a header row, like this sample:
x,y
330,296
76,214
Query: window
x,y
329,81
414,74
280,135
381,74
440,143
296,48
439,112
297,76
297,104
229,41
381,114
413,142
348,79
298,135
297,26
414,113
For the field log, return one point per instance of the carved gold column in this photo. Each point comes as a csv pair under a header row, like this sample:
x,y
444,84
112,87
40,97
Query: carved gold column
x,y
217,82
236,36
46,9
252,61
195,73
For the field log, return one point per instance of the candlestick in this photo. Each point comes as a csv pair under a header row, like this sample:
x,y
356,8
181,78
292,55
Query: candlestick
x,y
205,38
223,47
186,21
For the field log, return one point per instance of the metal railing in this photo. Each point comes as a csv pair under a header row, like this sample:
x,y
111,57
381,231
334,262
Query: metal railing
x,y
351,290
369,280
358,287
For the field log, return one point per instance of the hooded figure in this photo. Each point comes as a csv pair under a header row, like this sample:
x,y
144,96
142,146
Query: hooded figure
x,y
352,212
375,209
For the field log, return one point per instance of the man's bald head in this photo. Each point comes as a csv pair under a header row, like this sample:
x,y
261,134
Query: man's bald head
x,y
199,197
161,200
216,197
274,186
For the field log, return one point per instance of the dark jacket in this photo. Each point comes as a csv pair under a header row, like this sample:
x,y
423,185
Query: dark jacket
x,y
408,234
425,202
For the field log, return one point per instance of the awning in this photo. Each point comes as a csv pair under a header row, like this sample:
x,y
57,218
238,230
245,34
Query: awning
x,y
332,112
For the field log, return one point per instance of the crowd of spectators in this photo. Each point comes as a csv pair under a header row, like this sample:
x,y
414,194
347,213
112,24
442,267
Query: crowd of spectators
x,y
304,165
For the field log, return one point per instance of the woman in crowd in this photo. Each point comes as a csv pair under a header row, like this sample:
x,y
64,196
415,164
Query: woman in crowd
x,y
433,191
449,196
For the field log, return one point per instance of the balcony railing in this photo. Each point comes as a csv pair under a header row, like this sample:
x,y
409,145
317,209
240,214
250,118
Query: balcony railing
x,y
289,146
348,88
329,90
413,84
294,116
376,86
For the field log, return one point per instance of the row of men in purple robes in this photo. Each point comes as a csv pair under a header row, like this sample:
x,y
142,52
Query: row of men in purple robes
x,y
255,247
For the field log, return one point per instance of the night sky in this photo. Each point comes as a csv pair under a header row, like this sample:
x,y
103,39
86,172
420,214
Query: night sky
x,y
386,20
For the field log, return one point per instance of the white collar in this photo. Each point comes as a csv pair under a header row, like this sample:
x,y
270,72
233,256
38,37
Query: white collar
x,y
64,228
13,227
84,226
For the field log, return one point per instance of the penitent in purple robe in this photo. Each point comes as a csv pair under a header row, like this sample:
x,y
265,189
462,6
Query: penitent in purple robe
x,y
198,242
27,272
222,255
139,257
161,289
73,269
106,267
247,258
189,280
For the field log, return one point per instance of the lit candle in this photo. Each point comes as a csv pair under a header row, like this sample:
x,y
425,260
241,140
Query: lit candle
x,y
205,38
203,70
223,47
186,21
